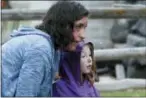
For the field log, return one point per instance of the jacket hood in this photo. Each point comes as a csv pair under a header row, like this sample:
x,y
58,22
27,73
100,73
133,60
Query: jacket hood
x,y
25,30
70,63
68,85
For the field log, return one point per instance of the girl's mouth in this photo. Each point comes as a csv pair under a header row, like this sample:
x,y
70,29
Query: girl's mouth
x,y
89,67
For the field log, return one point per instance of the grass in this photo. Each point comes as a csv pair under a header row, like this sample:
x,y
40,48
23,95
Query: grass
x,y
125,93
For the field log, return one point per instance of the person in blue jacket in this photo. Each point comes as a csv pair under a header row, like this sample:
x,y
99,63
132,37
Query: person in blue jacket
x,y
30,58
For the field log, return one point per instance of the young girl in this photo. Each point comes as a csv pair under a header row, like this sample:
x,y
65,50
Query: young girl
x,y
77,72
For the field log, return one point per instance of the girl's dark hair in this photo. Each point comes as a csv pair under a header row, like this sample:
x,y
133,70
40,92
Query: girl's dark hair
x,y
59,21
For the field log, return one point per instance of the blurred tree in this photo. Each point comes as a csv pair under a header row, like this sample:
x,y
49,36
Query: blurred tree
x,y
5,4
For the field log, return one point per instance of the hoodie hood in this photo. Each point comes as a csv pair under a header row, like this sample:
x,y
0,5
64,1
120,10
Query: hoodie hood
x,y
70,71
25,30
70,63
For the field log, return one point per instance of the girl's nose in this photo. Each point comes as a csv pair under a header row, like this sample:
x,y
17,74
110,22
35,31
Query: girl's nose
x,y
89,60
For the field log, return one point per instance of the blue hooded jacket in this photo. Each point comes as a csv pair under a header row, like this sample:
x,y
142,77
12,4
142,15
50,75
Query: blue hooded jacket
x,y
29,63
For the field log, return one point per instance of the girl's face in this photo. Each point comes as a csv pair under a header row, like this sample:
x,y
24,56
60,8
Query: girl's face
x,y
86,60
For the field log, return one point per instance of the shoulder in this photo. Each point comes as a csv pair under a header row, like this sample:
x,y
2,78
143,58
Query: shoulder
x,y
19,45
37,41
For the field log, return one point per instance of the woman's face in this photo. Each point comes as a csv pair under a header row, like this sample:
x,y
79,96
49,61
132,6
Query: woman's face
x,y
78,33
86,60
79,29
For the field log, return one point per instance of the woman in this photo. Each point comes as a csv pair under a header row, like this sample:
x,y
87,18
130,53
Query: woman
x,y
31,57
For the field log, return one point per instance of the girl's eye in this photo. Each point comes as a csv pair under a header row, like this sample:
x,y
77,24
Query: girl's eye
x,y
82,56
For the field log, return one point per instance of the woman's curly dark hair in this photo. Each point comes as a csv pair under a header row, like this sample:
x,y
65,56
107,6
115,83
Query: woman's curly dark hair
x,y
59,21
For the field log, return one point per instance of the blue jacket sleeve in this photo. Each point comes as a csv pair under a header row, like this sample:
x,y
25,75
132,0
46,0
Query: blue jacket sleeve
x,y
32,72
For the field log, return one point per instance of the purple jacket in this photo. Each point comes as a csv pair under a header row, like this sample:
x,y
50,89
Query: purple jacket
x,y
68,85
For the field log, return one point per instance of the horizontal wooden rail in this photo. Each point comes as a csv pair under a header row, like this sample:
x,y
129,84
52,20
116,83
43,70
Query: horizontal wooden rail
x,y
101,12
122,53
